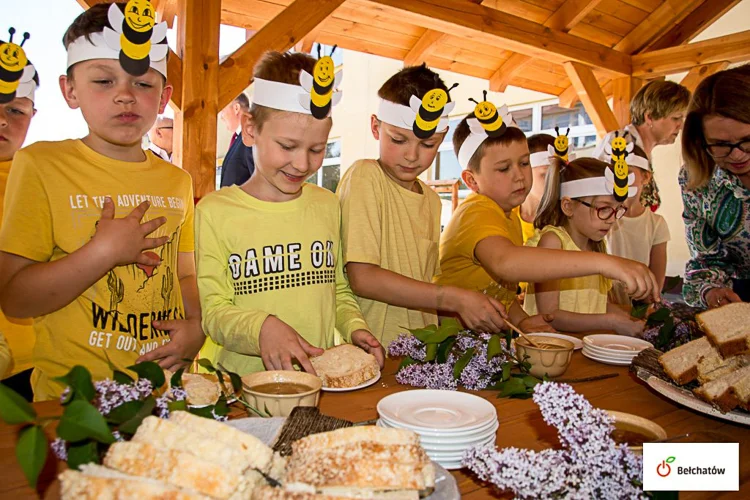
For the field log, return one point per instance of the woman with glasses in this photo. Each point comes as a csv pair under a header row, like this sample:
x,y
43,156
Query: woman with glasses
x,y
716,190
582,201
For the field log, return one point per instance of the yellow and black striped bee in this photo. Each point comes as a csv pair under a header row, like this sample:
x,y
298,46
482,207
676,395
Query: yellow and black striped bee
x,y
15,69
488,119
434,106
619,176
137,36
619,146
562,144
321,86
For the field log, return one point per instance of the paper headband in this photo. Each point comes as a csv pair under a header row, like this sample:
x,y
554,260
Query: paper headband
x,y
133,38
315,95
488,121
424,117
600,186
16,71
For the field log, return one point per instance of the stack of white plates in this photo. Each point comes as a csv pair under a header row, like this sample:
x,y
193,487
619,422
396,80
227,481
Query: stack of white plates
x,y
613,349
448,422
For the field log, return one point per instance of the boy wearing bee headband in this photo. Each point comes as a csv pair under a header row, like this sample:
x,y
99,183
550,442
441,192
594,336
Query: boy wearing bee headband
x,y
391,219
18,83
274,294
97,241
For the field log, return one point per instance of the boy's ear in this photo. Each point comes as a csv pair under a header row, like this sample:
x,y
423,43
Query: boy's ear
x,y
375,127
468,177
68,91
567,206
166,94
247,127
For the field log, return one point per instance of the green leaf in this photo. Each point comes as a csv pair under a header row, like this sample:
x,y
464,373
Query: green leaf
x,y
494,347
221,408
464,360
82,454
79,381
31,452
14,409
206,363
122,378
506,370
124,412
425,334
432,350
639,310
150,371
670,460
511,387
236,381
658,316
176,380
80,421
530,381
408,360
130,426
508,339
665,333
177,405
204,411
445,349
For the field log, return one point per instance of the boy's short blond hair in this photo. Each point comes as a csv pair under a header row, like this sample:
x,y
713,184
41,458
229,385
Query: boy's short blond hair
x,y
659,99
512,134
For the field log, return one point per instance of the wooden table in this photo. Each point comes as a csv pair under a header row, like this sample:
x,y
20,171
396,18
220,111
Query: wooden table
x,y
521,425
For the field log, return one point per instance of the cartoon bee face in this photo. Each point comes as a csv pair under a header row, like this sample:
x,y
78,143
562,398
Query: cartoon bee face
x,y
430,111
320,86
324,71
561,141
12,56
139,15
435,100
485,109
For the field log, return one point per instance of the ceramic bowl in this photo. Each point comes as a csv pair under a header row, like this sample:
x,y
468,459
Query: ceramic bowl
x,y
633,423
550,361
280,405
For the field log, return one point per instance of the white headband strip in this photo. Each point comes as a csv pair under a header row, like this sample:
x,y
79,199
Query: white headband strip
x,y
638,161
84,50
469,147
539,159
402,116
592,186
281,96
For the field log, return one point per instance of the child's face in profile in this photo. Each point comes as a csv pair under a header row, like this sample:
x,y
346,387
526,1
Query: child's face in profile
x,y
289,148
402,154
539,175
504,174
586,220
119,108
15,117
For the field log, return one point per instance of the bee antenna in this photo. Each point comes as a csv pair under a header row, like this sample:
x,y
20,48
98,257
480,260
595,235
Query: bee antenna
x,y
26,36
473,100
567,132
453,87
333,50
12,32
557,130
318,51
484,95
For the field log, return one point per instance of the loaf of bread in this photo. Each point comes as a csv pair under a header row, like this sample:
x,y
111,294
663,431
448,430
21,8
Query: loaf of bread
x,y
681,363
727,327
725,391
344,366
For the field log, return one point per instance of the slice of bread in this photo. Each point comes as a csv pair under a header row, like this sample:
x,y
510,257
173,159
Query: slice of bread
x,y
709,368
681,363
344,366
727,327
202,389
723,391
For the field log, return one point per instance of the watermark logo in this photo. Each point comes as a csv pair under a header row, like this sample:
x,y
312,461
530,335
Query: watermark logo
x,y
701,467
664,469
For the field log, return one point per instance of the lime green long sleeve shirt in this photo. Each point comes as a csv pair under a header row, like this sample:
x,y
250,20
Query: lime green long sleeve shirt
x,y
256,258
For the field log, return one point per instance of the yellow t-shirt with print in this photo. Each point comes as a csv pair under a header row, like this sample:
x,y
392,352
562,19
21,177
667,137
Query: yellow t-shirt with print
x,y
396,229
585,294
19,333
477,218
54,199
286,263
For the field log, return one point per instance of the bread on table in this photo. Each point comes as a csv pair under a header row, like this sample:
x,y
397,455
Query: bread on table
x,y
710,369
681,363
202,388
727,327
344,366
723,391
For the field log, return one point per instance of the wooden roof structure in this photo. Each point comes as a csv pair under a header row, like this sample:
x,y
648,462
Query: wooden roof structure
x,y
587,50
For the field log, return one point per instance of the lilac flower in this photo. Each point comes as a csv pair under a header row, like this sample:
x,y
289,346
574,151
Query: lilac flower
x,y
428,375
64,395
111,394
162,410
407,344
60,449
590,465
478,373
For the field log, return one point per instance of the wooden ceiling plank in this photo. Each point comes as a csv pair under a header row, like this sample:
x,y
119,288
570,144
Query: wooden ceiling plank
x,y
657,23
570,14
694,24
733,48
167,9
699,73
281,33
502,77
592,97
423,47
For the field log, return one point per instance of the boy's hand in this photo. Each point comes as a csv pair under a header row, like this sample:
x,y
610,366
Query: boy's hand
x,y
639,281
478,311
366,341
124,240
539,323
187,338
627,325
280,344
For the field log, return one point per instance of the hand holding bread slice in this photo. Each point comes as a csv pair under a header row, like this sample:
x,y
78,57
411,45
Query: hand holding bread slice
x,y
345,366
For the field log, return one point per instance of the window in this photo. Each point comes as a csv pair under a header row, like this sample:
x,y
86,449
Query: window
x,y
446,162
330,173
523,118
555,116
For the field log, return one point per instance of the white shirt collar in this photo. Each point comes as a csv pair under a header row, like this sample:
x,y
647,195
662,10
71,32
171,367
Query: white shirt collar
x,y
159,152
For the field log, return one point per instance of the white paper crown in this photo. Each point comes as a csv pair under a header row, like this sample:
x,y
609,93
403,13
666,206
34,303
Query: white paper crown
x,y
597,186
16,71
424,117
498,120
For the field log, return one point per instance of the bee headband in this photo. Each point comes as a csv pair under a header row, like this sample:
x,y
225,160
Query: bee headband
x,y
315,95
16,71
542,158
424,116
488,121
620,187
133,38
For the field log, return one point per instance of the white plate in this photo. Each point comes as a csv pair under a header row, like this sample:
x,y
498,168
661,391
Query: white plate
x,y
687,398
619,343
356,387
447,441
456,454
445,434
437,411
450,466
609,354
578,343
606,361
452,448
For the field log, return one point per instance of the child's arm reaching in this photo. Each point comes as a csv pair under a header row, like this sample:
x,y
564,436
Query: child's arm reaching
x,y
658,263
29,288
505,261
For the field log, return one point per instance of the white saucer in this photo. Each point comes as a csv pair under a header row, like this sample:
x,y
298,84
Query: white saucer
x,y
577,343
445,412
490,426
619,343
607,361
356,387
604,353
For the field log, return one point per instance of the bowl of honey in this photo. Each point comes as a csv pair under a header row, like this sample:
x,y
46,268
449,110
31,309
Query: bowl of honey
x,y
276,393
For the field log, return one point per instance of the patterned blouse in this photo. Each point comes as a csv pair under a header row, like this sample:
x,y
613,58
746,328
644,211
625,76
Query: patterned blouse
x,y
717,228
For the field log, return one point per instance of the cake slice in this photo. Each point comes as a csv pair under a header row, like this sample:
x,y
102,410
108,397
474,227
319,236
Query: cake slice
x,y
724,392
681,363
344,366
714,366
728,327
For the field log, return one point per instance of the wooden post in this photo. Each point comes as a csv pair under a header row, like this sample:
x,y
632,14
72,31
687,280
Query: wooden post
x,y
592,97
699,73
624,89
195,123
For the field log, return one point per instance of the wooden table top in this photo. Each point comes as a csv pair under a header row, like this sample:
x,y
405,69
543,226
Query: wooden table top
x,y
521,425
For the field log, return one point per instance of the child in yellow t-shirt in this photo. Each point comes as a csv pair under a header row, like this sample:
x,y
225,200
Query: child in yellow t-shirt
x,y
105,286
391,219
580,206
270,270
16,111
482,246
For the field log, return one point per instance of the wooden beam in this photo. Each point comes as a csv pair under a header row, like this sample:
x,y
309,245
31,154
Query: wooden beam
x,y
623,91
174,77
167,10
732,48
656,24
694,24
195,123
699,73
306,44
569,97
570,13
420,49
281,33
484,24
509,70
592,97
